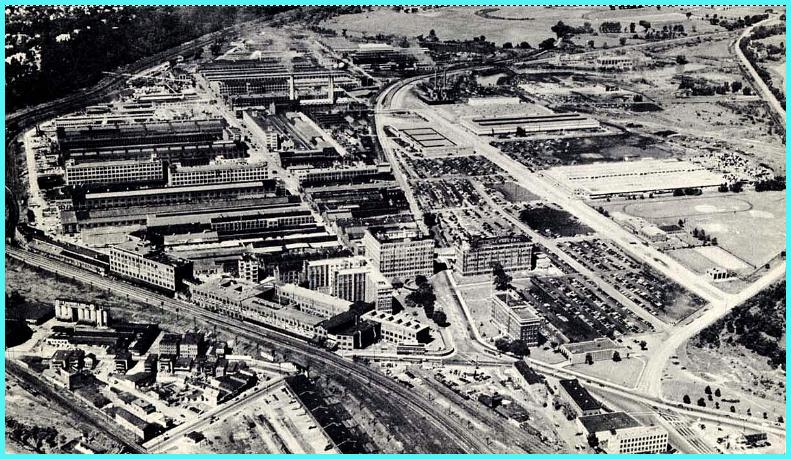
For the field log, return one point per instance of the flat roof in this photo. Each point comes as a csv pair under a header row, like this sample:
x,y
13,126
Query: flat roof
x,y
170,190
599,344
634,176
580,395
608,421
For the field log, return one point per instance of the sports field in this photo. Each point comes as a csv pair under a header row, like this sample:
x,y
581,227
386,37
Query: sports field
x,y
749,226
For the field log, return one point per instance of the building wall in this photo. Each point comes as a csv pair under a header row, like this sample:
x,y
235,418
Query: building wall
x,y
634,440
226,173
114,172
478,259
512,325
136,266
404,259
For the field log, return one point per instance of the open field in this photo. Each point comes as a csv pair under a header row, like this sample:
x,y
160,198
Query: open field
x,y
626,372
456,23
749,225
744,379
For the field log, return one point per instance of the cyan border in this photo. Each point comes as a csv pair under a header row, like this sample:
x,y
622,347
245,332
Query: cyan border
x,y
388,3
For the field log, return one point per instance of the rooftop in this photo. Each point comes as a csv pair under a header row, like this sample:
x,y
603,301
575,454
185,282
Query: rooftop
x,y
580,395
599,344
608,421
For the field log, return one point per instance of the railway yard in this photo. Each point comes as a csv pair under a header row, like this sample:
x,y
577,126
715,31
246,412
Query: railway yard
x,y
303,238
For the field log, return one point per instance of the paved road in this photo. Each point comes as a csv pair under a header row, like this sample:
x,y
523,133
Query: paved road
x,y
164,442
464,439
766,94
81,412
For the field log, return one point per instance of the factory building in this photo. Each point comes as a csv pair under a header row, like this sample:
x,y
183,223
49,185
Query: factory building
x,y
320,274
190,152
73,311
309,301
399,252
111,172
144,264
580,399
186,131
620,433
476,256
171,196
398,328
314,177
494,125
217,172
516,318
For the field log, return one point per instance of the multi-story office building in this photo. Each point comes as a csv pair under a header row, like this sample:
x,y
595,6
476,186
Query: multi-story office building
x,y
111,172
477,255
399,252
190,345
379,290
620,433
248,268
398,328
309,301
320,274
140,262
217,172
350,283
516,318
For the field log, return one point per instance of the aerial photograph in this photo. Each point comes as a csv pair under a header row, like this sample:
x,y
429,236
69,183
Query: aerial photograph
x,y
395,229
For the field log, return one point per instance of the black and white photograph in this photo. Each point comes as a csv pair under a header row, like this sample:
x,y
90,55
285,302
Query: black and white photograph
x,y
395,229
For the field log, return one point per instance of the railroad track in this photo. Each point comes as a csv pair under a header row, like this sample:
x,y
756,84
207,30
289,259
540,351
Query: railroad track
x,y
101,423
467,441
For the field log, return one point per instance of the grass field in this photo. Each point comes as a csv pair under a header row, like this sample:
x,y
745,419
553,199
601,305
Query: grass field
x,y
749,225
459,23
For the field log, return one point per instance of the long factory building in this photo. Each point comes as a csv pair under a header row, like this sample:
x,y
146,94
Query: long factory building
x,y
529,123
476,256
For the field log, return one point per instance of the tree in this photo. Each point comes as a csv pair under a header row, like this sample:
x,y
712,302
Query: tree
x,y
701,402
525,45
747,91
589,359
519,348
681,59
420,280
591,44
643,345
502,344
520,131
616,357
717,392
508,45
733,409
645,24
439,317
622,41
547,44
501,279
687,399
736,86
689,14
632,27
707,390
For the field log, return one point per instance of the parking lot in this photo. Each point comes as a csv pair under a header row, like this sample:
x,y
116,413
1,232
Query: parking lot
x,y
647,288
460,224
464,166
443,194
581,312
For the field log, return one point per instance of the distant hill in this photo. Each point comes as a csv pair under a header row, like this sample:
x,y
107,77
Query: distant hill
x,y
54,50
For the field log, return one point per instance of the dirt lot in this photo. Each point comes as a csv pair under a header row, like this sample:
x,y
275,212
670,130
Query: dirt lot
x,y
744,379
